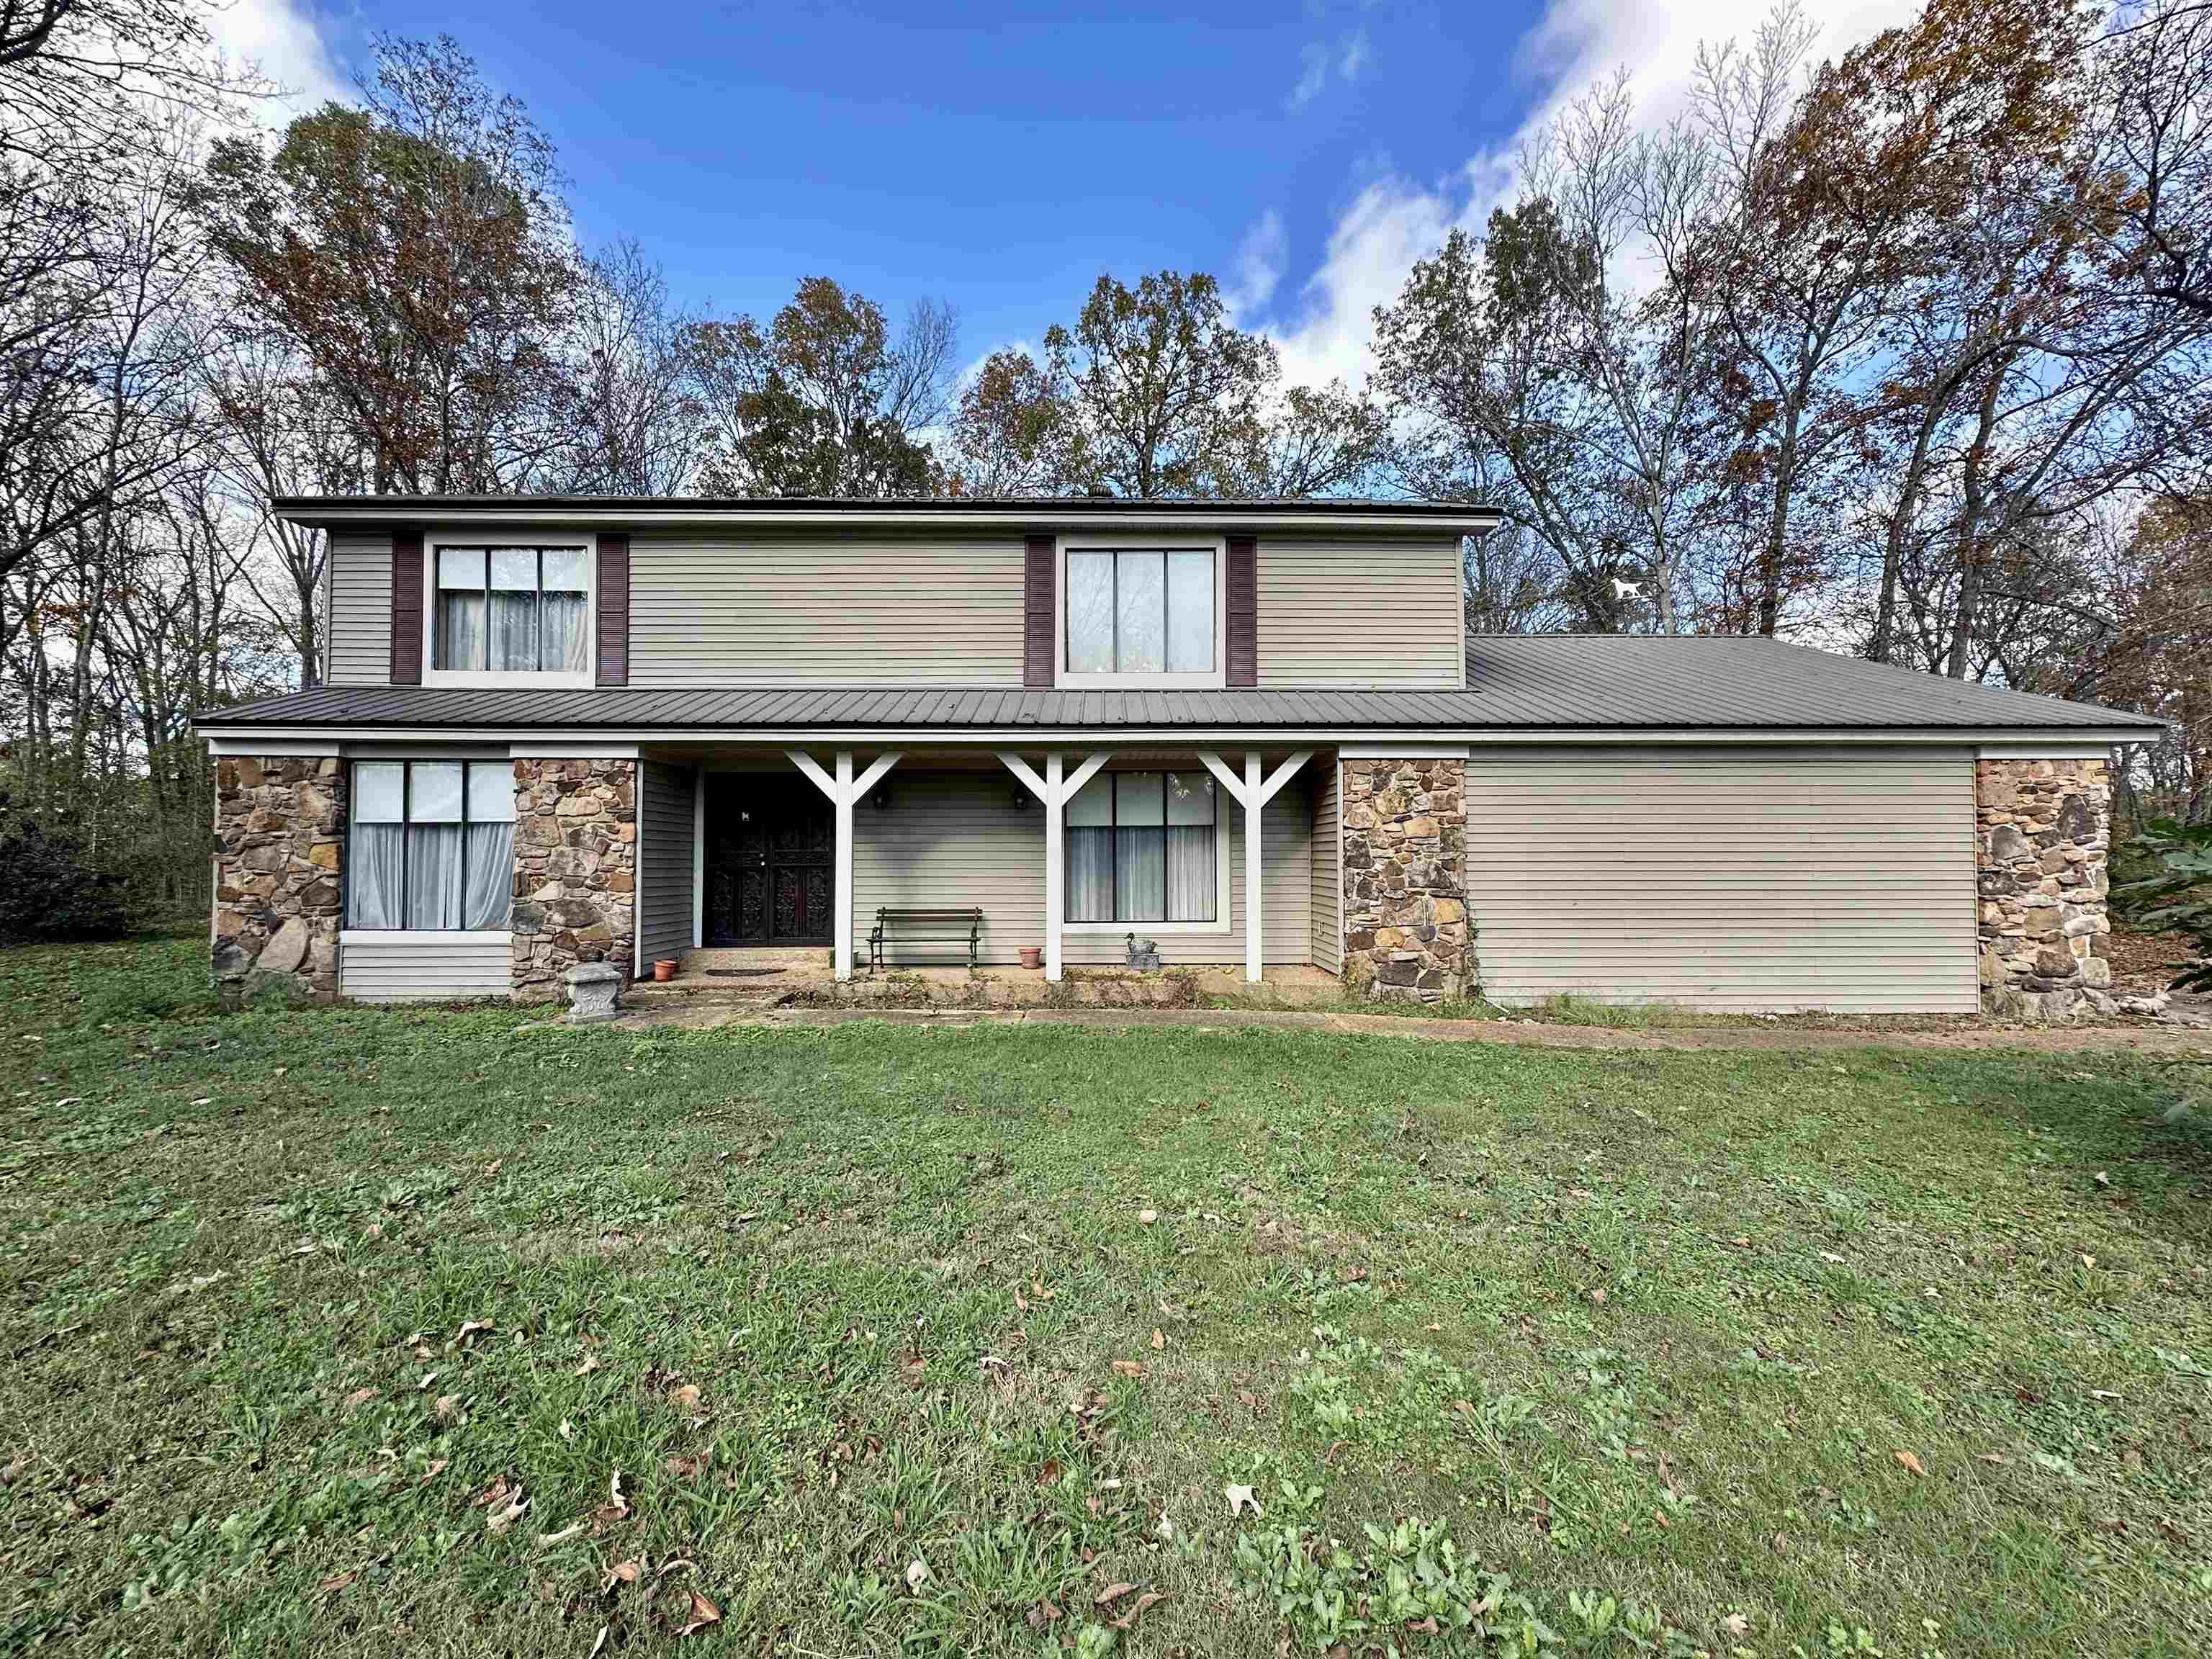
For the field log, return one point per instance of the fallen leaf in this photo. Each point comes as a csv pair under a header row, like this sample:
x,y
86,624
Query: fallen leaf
x,y
1740,1244
1110,1595
1911,1463
703,1614
500,1519
429,1378
562,1536
1238,1497
1736,1625
599,1646
686,1398
1158,1340
1660,1515
471,1328
438,1467
568,1430
1353,1275
2088,1261
335,1582
917,1575
1598,1295
1128,1368
361,1397
1145,1217
1994,1457
446,1404
591,1364
622,1572
2102,1179
1049,1474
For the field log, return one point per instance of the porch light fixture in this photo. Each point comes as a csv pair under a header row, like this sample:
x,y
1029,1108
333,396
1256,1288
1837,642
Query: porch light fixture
x,y
881,799
1021,800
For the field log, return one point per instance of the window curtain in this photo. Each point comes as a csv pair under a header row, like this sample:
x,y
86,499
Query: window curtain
x,y
1140,612
1091,851
564,610
514,629
460,608
373,872
1192,892
1140,875
1091,613
1190,613
490,895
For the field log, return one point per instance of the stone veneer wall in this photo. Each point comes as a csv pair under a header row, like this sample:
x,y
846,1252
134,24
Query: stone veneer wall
x,y
1406,925
2043,828
279,856
575,869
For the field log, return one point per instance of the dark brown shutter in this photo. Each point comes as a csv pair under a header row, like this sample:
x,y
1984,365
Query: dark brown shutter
x,y
1037,629
407,607
614,610
1244,618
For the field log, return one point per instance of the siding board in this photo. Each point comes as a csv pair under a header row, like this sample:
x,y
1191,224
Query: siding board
x,y
453,968
1328,904
1360,613
1759,882
360,623
665,875
723,613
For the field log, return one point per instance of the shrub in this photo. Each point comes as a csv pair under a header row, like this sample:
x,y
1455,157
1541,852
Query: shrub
x,y
51,889
2177,893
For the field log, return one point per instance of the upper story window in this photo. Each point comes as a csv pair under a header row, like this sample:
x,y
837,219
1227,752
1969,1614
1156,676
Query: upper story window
x,y
506,611
432,845
1141,616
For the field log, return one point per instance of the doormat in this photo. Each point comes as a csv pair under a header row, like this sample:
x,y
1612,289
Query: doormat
x,y
741,972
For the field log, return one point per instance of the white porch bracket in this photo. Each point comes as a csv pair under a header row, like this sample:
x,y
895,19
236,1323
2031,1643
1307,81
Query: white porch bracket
x,y
843,790
1253,795
1053,791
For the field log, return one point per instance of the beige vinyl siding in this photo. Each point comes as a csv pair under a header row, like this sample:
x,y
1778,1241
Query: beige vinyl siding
x,y
713,612
1361,613
1732,880
419,968
360,620
953,839
1327,902
663,896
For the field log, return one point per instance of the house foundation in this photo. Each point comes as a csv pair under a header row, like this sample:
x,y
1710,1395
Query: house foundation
x,y
1406,930
2043,832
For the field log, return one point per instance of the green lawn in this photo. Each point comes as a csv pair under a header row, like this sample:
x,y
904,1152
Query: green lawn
x,y
1740,1352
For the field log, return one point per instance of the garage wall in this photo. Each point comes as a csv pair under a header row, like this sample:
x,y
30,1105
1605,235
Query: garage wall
x,y
1729,879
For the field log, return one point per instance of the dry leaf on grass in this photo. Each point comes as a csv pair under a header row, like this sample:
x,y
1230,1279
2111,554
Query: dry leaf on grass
x,y
1145,1217
471,1328
361,1397
622,1572
917,1575
704,1614
1736,1625
1911,1463
1111,1594
1128,1368
438,1467
1238,1497
617,1508
335,1582
591,1364
562,1536
500,1519
1159,1338
599,1646
685,1398
446,1405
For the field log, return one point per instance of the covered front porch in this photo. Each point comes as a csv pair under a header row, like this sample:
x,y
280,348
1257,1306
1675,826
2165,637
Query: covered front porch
x,y
759,857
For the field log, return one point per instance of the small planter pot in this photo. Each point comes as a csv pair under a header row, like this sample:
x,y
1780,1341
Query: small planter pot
x,y
663,970
1032,955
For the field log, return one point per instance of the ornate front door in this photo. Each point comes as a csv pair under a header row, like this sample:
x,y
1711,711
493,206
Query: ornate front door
x,y
771,861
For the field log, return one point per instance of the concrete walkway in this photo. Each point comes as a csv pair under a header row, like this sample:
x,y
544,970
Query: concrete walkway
x,y
2140,1039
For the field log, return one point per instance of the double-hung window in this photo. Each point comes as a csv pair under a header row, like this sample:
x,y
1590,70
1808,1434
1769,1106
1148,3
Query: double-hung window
x,y
511,610
1144,846
1141,616
432,845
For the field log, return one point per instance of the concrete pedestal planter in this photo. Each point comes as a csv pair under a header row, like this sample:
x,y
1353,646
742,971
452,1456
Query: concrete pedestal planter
x,y
594,992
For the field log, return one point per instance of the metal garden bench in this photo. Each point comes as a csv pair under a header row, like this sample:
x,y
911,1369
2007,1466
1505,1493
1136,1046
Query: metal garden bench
x,y
902,927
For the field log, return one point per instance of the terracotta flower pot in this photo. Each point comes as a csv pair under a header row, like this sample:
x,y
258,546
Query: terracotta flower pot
x,y
663,970
1032,955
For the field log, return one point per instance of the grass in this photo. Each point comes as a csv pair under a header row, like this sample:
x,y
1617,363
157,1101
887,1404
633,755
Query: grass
x,y
1617,1350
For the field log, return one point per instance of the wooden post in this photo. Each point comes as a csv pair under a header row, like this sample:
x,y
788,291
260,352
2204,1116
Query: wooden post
x,y
843,790
1253,795
1053,791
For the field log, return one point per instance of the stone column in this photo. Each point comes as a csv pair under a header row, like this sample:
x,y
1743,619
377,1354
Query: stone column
x,y
575,869
1407,928
279,859
2043,828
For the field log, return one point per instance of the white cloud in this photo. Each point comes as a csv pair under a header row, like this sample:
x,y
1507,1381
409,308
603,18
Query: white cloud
x,y
1260,261
1324,328
282,40
1356,54
1311,79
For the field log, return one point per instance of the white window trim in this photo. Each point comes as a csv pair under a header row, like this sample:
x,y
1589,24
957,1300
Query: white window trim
x,y
1223,806
434,676
1216,545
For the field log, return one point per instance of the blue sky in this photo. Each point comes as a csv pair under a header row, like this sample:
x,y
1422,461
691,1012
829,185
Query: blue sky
x,y
1001,157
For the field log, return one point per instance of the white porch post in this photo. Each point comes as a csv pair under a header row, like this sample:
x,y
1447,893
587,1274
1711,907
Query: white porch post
x,y
1253,795
1053,792
843,789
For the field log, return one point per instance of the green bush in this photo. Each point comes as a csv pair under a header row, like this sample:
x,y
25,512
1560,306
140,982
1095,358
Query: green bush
x,y
2178,892
53,889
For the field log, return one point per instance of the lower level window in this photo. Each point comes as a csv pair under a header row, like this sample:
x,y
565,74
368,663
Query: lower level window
x,y
432,845
1141,847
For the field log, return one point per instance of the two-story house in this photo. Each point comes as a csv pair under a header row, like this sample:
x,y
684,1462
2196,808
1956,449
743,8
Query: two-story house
x,y
556,729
